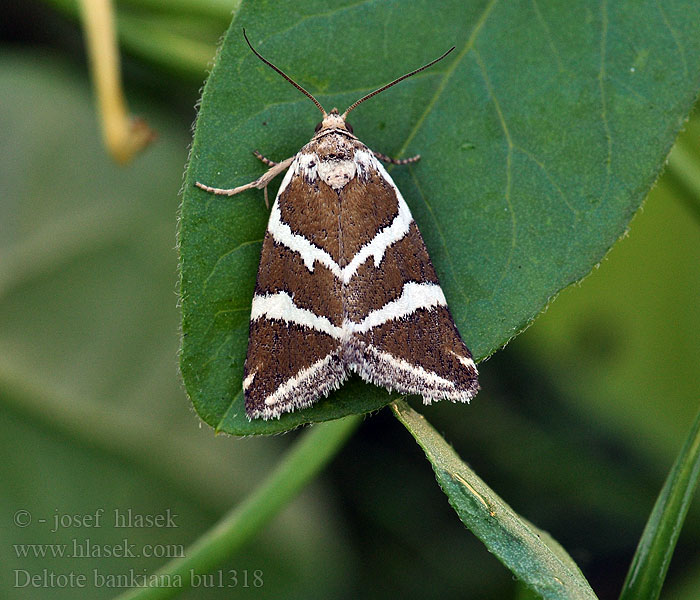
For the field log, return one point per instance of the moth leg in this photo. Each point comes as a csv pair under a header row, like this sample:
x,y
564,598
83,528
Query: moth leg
x,y
264,159
260,183
396,161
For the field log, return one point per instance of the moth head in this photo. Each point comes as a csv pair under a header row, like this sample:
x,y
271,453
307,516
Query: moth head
x,y
333,120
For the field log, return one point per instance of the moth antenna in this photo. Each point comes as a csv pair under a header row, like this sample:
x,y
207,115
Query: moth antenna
x,y
287,77
388,85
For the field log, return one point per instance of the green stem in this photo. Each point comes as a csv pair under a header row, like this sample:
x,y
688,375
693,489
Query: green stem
x,y
306,458
152,39
220,9
650,563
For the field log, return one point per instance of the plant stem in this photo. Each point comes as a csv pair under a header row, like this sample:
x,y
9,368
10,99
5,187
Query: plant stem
x,y
123,135
648,569
152,39
306,459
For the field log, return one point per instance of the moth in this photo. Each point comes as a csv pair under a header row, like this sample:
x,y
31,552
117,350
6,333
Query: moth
x,y
345,283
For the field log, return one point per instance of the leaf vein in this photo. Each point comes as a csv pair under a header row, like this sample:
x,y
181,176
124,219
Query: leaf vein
x,y
674,35
219,424
549,177
441,234
509,172
631,90
603,100
222,257
447,76
548,34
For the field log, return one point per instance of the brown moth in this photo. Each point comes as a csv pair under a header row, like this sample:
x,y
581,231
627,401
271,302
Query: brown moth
x,y
345,283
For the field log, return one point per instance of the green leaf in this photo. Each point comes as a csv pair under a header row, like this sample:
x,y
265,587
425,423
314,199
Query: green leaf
x,y
655,549
540,136
530,553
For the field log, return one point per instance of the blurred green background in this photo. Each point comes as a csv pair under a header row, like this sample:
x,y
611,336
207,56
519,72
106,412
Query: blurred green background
x,y
576,427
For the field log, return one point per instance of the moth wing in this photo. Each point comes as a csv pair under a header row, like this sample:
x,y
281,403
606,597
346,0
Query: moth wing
x,y
400,333
294,351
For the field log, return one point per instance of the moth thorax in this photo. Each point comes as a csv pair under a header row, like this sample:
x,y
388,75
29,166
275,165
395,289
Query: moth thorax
x,y
334,155
337,174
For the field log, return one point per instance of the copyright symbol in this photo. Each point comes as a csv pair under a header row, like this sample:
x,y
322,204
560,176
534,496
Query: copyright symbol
x,y
22,518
